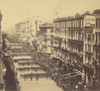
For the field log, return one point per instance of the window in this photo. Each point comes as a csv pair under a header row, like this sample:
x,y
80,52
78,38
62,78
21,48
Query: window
x,y
89,58
71,23
65,24
72,35
89,37
93,38
80,23
99,38
51,42
96,23
51,31
96,53
65,32
85,37
79,48
89,48
96,37
86,47
75,24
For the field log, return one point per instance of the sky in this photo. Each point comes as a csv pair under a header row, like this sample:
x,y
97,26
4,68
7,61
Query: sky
x,y
14,11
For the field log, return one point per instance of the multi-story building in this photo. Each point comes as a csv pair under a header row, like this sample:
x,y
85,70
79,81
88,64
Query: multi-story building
x,y
73,41
1,65
69,33
88,51
97,45
26,30
45,38
92,51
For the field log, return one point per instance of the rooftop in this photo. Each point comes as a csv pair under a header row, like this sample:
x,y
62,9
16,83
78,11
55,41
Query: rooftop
x,y
97,11
47,25
76,17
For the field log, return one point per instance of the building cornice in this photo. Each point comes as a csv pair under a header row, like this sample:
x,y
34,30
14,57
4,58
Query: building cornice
x,y
97,11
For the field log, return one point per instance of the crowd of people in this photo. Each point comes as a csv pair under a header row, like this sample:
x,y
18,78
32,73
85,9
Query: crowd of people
x,y
63,74
57,70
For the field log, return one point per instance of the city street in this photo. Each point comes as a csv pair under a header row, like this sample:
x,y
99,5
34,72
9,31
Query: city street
x,y
49,45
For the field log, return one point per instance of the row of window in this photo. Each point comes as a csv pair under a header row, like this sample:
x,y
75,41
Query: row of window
x,y
89,37
69,34
76,47
75,35
75,23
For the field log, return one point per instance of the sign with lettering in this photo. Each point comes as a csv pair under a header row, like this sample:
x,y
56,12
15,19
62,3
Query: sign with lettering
x,y
89,21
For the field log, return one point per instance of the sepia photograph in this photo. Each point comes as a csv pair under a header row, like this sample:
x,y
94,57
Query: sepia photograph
x,y
49,45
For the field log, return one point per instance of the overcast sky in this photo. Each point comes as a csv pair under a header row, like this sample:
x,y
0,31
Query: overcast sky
x,y
14,11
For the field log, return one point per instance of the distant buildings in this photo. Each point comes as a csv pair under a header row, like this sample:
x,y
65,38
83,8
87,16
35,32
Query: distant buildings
x,y
45,38
26,30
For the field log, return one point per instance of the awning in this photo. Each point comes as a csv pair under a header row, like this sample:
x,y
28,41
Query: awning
x,y
88,68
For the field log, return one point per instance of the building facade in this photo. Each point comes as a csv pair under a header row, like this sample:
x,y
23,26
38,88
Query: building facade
x,y
73,40
1,64
97,45
45,38
92,51
26,30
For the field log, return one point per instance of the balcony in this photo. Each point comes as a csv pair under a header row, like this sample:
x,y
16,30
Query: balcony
x,y
74,28
88,67
79,53
72,52
76,41
75,66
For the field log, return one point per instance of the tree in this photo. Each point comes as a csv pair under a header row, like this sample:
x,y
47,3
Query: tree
x,y
77,15
87,13
70,17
